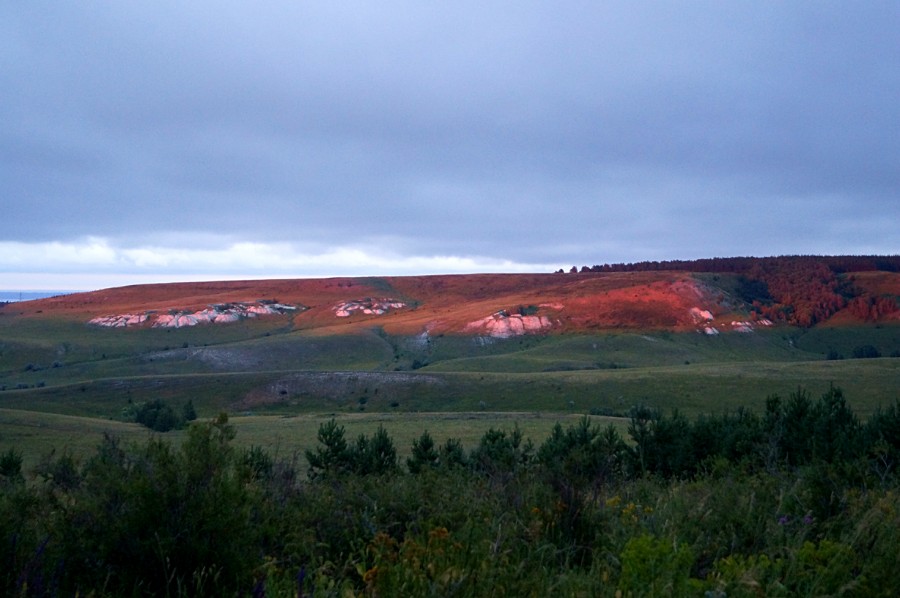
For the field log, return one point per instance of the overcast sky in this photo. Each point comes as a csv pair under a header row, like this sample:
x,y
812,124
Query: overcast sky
x,y
163,141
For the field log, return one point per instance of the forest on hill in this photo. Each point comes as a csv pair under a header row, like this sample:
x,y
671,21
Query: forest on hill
x,y
802,290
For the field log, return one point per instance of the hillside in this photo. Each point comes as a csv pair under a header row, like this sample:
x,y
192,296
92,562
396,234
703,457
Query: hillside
x,y
737,294
592,341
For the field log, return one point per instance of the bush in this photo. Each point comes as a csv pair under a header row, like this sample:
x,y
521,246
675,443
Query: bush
x,y
654,567
166,521
334,456
571,518
158,416
188,413
500,451
866,352
11,466
452,454
424,455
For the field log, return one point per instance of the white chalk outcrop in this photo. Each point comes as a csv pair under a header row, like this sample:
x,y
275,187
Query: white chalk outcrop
x,y
701,315
120,321
367,306
504,325
703,319
214,314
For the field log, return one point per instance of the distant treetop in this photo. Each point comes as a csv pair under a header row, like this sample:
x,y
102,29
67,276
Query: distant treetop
x,y
797,289
839,264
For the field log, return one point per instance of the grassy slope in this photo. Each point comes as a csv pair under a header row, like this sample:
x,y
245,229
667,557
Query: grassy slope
x,y
33,434
280,366
693,388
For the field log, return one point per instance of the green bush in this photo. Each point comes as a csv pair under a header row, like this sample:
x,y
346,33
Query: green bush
x,y
11,467
866,352
158,416
424,454
655,567
501,452
367,456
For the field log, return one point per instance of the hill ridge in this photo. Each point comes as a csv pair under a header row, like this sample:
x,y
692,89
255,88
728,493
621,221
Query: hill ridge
x,y
732,294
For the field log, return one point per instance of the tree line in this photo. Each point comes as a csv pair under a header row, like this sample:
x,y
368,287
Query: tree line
x,y
801,290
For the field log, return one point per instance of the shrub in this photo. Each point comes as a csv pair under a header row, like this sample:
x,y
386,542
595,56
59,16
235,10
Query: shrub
x,y
11,466
500,451
866,352
375,455
166,521
158,416
452,454
424,455
569,519
188,413
581,455
655,567
333,455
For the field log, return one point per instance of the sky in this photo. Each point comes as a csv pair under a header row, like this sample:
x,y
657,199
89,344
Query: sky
x,y
169,141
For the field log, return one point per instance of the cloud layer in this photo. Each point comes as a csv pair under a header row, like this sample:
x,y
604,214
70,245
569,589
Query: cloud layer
x,y
208,138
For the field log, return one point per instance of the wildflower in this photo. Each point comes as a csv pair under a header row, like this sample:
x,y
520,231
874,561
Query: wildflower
x,y
784,520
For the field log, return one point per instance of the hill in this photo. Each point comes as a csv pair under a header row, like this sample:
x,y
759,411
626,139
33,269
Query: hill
x,y
699,337
720,294
629,331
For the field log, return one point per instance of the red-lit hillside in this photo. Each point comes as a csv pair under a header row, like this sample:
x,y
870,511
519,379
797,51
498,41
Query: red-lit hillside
x,y
709,295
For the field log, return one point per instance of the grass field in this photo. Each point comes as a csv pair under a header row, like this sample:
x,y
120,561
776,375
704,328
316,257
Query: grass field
x,y
64,383
34,434
692,388
284,436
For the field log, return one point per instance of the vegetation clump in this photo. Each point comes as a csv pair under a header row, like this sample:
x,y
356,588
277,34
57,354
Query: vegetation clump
x,y
800,500
160,417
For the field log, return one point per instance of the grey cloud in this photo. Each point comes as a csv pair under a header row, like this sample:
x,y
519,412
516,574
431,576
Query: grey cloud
x,y
534,132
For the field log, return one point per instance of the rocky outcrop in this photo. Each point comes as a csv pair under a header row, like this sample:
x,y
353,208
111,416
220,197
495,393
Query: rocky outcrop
x,y
701,315
505,325
120,321
367,306
214,314
703,319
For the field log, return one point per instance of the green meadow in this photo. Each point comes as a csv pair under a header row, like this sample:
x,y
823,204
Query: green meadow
x,y
277,382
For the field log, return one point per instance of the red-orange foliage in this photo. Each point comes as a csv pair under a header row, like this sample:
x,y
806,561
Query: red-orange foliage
x,y
873,309
805,289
